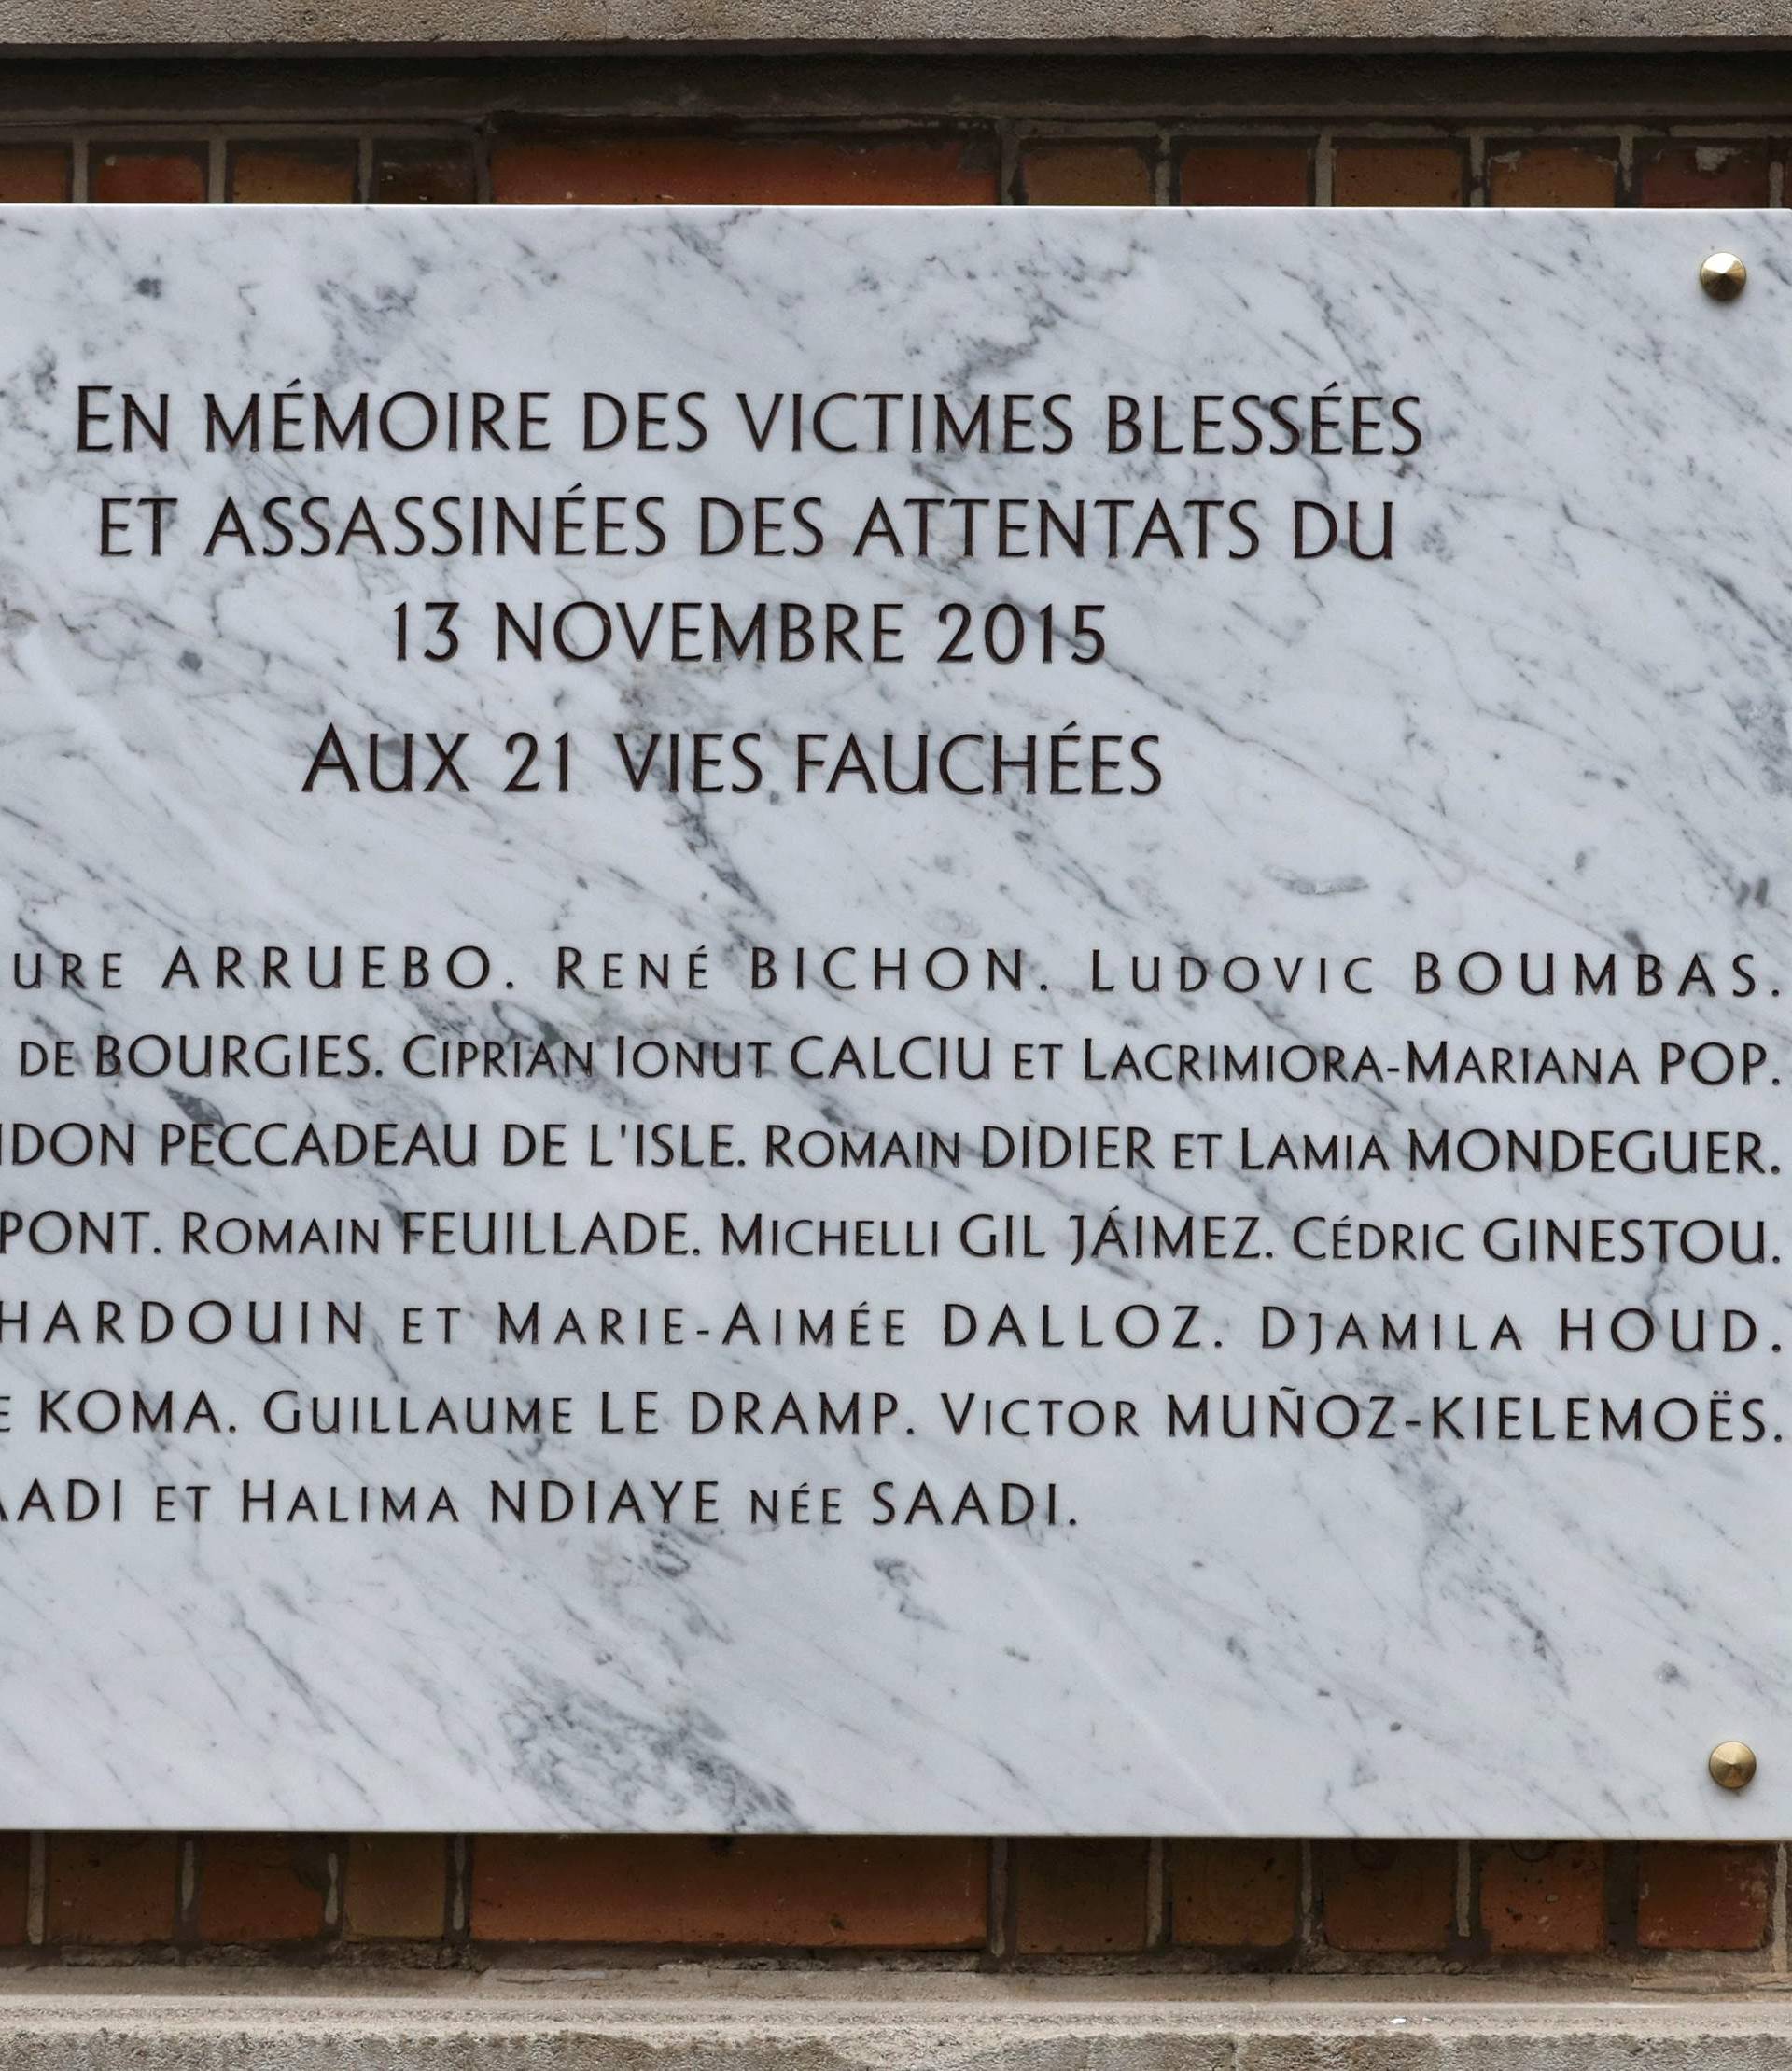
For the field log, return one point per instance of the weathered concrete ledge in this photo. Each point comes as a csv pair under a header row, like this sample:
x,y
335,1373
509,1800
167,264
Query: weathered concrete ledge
x,y
706,2021
150,23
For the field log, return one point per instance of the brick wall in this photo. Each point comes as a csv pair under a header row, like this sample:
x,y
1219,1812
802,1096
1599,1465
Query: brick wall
x,y
1573,1907
1677,131
1502,167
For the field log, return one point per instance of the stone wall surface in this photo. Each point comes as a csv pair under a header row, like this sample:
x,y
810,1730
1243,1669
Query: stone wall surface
x,y
878,2024
152,22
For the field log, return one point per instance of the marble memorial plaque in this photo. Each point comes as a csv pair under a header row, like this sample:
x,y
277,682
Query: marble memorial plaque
x,y
893,1021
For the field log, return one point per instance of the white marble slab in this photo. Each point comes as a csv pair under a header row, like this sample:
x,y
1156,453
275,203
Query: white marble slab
x,y
1552,722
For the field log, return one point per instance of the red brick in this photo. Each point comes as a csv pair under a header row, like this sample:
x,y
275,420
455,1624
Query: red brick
x,y
1553,176
1388,1898
34,172
1079,1896
15,1886
418,173
1544,1898
293,172
1697,1894
818,169
1398,175
261,1887
1247,176
1702,175
798,1891
1233,1894
111,1887
1086,175
396,1887
173,173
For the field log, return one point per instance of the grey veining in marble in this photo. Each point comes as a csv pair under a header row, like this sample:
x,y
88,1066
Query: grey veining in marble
x,y
1499,1580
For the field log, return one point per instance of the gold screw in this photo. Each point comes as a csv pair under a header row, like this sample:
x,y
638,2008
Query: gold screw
x,y
1723,277
1732,1764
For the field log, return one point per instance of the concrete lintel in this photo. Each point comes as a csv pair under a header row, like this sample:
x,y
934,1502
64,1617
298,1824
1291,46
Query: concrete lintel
x,y
146,24
189,2021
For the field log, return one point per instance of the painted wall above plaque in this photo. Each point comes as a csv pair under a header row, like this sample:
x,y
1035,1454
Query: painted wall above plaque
x,y
894,1020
